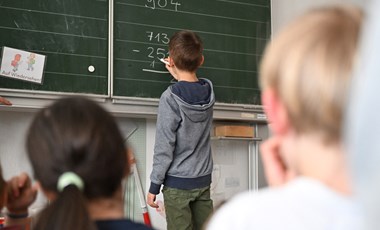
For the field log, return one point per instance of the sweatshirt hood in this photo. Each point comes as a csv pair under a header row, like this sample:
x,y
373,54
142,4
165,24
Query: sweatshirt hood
x,y
197,113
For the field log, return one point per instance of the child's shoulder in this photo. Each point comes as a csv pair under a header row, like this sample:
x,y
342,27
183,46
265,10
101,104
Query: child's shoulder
x,y
167,95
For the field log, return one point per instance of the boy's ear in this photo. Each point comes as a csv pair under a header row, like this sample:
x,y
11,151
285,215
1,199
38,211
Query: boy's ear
x,y
275,110
171,62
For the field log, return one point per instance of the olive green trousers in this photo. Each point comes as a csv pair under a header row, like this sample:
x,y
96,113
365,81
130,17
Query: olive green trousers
x,y
187,209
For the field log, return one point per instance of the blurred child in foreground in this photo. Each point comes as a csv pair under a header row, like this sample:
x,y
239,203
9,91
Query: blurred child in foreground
x,y
79,157
305,79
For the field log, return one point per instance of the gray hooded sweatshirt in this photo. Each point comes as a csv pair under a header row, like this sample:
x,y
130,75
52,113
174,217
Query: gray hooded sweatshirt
x,y
182,152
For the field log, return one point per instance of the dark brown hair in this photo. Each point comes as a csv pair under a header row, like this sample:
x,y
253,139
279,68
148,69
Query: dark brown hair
x,y
2,184
75,135
185,48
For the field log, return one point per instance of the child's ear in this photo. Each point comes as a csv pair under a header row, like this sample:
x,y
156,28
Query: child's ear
x,y
203,59
275,110
171,61
131,160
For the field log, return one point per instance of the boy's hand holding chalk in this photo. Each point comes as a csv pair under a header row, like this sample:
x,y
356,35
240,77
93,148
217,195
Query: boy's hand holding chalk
x,y
169,67
164,61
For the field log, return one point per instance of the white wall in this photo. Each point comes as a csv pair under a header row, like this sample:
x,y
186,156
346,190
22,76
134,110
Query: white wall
x,y
283,11
13,158
157,218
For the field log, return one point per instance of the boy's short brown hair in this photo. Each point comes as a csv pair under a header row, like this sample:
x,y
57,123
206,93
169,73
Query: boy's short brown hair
x,y
185,48
309,66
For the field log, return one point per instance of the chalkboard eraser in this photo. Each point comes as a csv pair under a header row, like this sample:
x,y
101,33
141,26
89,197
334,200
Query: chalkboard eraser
x,y
164,61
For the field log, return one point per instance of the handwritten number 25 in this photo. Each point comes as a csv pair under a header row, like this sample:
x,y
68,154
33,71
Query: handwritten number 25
x,y
160,52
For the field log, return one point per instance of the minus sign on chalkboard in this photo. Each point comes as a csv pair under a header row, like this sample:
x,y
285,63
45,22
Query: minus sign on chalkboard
x,y
137,51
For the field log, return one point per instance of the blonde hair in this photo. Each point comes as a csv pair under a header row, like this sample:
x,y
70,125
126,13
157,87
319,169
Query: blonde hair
x,y
309,65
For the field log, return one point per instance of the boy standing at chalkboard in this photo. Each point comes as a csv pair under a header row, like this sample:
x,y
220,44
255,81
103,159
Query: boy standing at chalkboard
x,y
182,154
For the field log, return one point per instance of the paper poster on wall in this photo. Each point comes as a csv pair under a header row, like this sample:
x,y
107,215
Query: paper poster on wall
x,y
22,65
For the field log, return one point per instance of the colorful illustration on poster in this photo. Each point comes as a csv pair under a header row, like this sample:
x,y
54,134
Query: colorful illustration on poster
x,y
31,61
22,65
16,62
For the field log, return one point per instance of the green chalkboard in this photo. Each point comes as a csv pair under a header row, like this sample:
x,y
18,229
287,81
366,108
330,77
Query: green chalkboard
x,y
234,33
72,34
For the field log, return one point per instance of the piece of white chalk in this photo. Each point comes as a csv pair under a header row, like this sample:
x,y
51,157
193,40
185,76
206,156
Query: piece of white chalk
x,y
164,61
